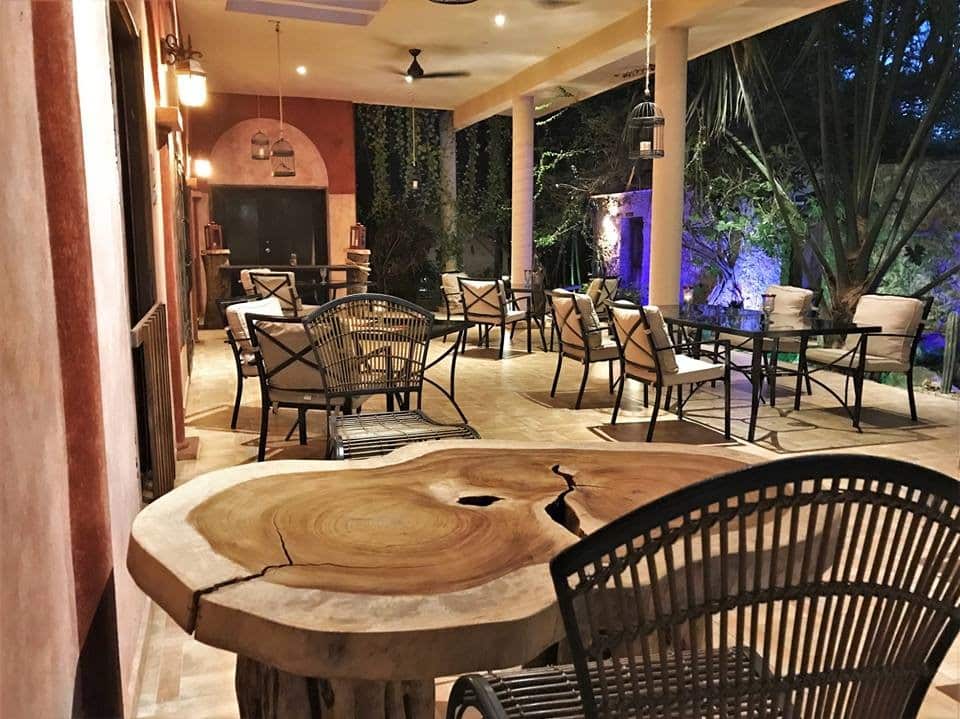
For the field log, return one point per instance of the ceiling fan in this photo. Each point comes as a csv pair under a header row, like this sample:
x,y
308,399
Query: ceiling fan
x,y
554,4
416,71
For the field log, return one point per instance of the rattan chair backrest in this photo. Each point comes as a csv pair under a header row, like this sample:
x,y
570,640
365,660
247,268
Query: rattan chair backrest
x,y
820,586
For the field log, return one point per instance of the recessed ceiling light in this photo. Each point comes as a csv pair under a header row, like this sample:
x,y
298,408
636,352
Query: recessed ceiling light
x,y
301,70
499,19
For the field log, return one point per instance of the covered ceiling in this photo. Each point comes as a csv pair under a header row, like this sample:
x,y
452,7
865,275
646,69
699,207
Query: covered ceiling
x,y
357,50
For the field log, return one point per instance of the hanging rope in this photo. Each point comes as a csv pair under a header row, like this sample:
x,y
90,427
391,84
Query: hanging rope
x,y
646,90
279,81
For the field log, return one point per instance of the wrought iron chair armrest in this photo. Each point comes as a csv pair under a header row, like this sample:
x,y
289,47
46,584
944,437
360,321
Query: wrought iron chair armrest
x,y
481,694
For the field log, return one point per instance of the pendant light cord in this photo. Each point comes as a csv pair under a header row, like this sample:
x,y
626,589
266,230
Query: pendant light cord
x,y
279,82
646,90
413,146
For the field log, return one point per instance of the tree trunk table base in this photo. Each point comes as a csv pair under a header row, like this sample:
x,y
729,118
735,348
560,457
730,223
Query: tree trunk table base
x,y
264,692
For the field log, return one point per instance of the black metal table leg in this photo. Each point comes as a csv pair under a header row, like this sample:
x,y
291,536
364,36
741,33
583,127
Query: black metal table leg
x,y
756,381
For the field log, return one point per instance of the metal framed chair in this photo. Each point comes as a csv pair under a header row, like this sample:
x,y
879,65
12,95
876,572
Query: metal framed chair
x,y
581,338
485,304
283,286
370,344
452,296
290,377
247,284
893,350
648,355
603,292
817,586
233,313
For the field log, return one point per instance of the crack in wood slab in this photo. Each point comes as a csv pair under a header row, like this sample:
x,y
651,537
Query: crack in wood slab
x,y
559,510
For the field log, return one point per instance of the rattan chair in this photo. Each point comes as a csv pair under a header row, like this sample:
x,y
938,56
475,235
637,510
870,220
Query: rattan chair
x,y
819,587
892,350
648,355
581,338
486,305
369,344
233,313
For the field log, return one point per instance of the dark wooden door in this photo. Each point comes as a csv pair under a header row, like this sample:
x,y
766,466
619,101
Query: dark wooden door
x,y
264,225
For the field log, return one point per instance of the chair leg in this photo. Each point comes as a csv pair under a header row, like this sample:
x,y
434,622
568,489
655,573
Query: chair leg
x,y
264,426
236,402
666,405
656,409
913,401
529,336
616,405
646,395
302,423
679,401
858,399
583,384
543,339
556,376
503,336
610,374
726,404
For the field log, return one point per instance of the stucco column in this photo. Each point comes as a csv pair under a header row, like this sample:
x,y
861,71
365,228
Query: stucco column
x,y
666,225
521,235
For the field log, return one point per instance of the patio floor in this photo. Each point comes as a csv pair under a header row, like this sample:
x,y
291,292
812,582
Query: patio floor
x,y
510,399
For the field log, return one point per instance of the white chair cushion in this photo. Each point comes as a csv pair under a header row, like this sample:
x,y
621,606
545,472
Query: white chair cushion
x,y
638,347
661,338
606,351
791,300
515,316
297,377
873,363
591,321
896,315
245,280
689,371
237,317
482,299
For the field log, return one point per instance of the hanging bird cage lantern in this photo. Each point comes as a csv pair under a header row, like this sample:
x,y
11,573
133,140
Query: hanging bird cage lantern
x,y
259,143
281,154
644,131
282,159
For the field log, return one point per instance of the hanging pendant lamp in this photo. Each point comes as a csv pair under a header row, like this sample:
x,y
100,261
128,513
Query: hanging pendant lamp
x,y
281,154
644,132
259,143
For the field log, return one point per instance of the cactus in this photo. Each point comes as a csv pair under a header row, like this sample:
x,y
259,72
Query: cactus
x,y
951,344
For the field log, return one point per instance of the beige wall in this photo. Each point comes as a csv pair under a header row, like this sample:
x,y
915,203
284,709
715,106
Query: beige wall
x,y
341,215
37,608
113,319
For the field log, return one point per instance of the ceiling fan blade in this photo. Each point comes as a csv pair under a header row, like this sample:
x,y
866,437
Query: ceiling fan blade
x,y
437,75
554,4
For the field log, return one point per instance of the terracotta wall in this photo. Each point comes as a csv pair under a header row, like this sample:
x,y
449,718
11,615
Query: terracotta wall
x,y
328,125
38,625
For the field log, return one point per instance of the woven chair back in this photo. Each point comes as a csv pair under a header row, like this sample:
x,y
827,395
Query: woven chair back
x,y
820,586
370,344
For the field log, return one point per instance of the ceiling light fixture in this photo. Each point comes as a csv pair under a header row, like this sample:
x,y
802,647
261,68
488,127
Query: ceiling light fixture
x,y
191,78
645,123
301,69
452,2
499,19
281,154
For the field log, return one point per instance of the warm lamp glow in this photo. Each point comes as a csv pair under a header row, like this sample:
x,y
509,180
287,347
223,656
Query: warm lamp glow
x,y
301,70
202,169
191,83
499,19
408,79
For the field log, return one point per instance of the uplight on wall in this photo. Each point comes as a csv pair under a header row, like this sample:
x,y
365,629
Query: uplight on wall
x,y
499,19
191,77
202,169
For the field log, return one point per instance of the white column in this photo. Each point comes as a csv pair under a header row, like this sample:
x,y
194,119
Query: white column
x,y
666,226
521,235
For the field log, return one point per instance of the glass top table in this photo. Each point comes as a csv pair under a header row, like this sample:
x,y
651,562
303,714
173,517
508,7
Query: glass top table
x,y
758,326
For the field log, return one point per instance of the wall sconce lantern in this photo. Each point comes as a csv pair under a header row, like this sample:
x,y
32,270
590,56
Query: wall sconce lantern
x,y
191,78
202,168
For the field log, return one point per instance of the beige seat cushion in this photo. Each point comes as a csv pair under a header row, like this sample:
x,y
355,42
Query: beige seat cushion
x,y
604,352
449,283
237,318
515,316
873,363
896,315
483,300
282,285
591,321
297,379
246,283
689,371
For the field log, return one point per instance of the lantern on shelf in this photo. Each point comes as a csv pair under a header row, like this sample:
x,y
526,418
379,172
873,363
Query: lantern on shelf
x,y
644,131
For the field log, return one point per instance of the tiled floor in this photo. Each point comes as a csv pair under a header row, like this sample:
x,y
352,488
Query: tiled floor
x,y
510,399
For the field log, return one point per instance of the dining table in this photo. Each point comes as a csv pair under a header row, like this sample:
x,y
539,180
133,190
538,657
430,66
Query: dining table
x,y
755,326
346,588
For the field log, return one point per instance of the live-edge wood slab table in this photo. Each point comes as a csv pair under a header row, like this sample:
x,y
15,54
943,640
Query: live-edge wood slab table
x,y
346,588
